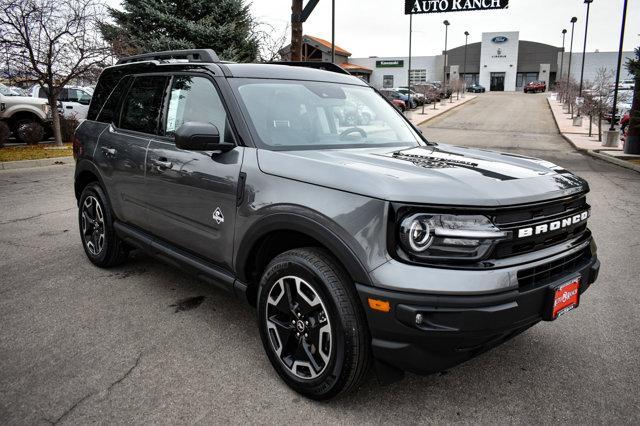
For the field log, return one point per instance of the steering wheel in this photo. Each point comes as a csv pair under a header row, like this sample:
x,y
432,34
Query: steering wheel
x,y
350,130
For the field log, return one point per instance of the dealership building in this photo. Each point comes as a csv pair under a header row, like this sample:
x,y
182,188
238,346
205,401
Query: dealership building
x,y
500,62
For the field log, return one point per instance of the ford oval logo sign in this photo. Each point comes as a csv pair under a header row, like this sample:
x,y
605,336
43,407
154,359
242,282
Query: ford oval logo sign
x,y
499,39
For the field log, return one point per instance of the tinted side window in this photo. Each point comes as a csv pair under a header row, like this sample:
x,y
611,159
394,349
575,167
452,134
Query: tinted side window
x,y
196,99
142,106
110,110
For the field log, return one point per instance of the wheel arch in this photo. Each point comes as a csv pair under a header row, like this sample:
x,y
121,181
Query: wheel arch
x,y
86,172
279,232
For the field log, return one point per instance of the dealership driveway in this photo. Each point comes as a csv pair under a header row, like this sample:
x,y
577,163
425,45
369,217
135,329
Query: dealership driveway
x,y
144,343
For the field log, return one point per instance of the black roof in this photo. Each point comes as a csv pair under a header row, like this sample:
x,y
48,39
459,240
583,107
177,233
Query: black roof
x,y
288,72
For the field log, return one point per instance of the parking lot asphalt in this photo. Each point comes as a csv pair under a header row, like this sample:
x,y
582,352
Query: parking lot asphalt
x,y
144,343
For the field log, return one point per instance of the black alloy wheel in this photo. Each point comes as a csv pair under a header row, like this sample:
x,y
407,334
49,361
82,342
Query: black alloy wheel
x,y
101,244
312,324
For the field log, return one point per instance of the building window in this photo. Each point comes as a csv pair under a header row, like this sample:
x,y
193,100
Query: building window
x,y
524,78
418,76
470,79
387,81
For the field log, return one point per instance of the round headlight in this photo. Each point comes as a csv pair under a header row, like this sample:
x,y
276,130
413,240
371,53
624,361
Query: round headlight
x,y
419,236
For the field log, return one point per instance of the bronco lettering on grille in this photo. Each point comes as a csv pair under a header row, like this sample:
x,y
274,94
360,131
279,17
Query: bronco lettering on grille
x,y
555,225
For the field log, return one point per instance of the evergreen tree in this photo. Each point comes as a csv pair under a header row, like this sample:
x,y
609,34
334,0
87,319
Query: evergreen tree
x,y
155,25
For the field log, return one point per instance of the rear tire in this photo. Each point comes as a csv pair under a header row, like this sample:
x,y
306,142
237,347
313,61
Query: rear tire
x,y
100,242
312,324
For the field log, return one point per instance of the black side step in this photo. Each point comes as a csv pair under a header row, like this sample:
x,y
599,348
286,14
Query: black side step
x,y
202,269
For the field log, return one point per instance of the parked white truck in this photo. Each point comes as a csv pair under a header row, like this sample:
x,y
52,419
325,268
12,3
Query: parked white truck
x,y
27,118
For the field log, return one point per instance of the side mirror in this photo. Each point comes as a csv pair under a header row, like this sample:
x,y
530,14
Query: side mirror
x,y
194,136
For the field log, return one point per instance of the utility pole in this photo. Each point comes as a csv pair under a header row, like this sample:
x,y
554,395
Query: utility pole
x,y
333,31
296,30
299,15
615,90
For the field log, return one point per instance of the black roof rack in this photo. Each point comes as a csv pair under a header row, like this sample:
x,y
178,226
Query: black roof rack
x,y
326,66
191,55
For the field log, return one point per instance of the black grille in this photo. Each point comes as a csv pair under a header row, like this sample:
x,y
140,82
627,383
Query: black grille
x,y
512,220
548,272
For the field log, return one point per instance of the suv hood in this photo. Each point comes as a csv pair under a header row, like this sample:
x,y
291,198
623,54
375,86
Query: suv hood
x,y
442,174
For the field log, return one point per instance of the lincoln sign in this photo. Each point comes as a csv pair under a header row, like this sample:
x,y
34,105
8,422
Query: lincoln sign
x,y
412,7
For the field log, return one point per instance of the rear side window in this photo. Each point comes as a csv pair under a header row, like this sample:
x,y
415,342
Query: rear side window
x,y
142,106
110,110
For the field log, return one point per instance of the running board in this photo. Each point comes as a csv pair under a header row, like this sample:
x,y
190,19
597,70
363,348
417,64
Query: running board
x,y
183,260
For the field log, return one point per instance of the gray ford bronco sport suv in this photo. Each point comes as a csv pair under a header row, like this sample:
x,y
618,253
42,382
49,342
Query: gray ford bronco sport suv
x,y
361,246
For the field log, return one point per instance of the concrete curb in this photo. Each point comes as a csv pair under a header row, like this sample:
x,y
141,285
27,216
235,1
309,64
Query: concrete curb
x,y
613,160
25,164
592,152
444,112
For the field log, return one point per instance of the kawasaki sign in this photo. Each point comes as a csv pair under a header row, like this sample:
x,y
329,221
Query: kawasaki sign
x,y
390,64
436,6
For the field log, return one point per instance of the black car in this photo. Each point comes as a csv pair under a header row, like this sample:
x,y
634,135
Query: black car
x,y
476,88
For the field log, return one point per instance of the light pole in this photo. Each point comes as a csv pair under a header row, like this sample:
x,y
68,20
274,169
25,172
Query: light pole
x,y
584,49
408,106
564,33
464,69
573,24
629,148
444,68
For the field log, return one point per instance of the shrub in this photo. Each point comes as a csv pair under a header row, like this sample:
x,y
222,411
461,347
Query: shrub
x,y
67,128
4,132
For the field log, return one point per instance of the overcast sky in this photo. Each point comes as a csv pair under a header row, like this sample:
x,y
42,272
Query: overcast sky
x,y
379,27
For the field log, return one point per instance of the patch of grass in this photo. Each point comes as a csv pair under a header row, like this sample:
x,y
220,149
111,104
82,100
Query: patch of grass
x,y
34,152
635,161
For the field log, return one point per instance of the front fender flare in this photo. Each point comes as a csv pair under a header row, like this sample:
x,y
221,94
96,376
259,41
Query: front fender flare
x,y
309,223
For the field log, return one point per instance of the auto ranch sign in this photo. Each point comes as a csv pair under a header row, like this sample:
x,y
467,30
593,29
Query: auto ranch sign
x,y
412,7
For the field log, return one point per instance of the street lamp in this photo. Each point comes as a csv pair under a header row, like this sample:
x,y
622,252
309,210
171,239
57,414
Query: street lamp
x,y
573,23
464,69
409,70
564,33
584,49
444,68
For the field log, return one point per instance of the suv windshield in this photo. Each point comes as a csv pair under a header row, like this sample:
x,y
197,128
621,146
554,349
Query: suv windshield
x,y
290,115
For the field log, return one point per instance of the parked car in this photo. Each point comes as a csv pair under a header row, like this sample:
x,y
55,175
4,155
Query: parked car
x,y
28,119
535,87
476,88
418,97
353,245
624,127
628,84
74,100
399,104
622,109
393,94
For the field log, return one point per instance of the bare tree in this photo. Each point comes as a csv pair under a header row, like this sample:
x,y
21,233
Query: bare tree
x,y
54,42
271,41
602,95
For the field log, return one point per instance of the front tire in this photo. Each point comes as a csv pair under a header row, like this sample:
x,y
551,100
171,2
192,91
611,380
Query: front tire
x,y
312,324
101,244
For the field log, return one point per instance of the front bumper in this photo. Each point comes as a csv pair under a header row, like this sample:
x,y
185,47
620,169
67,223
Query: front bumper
x,y
456,328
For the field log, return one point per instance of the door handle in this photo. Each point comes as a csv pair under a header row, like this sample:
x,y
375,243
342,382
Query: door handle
x,y
109,151
69,107
162,163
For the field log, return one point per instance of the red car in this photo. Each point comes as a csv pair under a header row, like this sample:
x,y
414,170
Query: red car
x,y
624,127
535,87
399,104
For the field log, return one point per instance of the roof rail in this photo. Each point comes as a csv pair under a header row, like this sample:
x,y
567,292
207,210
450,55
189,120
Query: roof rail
x,y
191,55
326,66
